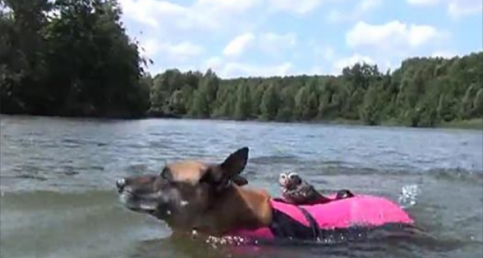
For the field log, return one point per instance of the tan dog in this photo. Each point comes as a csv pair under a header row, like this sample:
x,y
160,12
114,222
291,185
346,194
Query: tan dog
x,y
192,195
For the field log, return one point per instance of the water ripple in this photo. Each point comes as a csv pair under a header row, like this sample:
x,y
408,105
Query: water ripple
x,y
435,174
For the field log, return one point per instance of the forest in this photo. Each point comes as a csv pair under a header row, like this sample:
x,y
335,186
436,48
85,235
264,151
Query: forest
x,y
74,58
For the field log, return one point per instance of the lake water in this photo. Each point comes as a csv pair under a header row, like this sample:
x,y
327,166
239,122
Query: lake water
x,y
58,197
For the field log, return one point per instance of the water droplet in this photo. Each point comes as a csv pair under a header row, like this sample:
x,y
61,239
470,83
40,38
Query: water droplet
x,y
409,194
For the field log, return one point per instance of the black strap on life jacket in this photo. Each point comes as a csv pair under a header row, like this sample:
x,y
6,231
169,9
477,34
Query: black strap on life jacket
x,y
284,226
312,222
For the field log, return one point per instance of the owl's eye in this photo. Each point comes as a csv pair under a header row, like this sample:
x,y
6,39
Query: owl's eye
x,y
283,176
292,176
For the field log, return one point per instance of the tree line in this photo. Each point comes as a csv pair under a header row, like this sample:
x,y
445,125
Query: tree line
x,y
73,58
69,58
423,92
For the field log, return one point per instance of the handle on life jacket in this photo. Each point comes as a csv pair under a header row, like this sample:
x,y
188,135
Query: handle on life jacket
x,y
344,193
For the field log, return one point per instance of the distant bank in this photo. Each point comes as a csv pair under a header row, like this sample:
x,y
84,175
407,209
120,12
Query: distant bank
x,y
472,124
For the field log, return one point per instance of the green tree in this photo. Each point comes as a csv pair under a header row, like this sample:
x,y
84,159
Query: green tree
x,y
205,96
243,104
200,107
256,93
302,108
77,62
478,104
269,104
22,56
287,103
370,112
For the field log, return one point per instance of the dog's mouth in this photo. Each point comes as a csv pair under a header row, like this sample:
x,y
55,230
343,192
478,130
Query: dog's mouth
x,y
136,203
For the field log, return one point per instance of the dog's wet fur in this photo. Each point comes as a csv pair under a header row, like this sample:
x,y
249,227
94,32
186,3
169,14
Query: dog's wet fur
x,y
193,195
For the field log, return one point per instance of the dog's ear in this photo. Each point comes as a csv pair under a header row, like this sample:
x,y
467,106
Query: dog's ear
x,y
235,163
228,170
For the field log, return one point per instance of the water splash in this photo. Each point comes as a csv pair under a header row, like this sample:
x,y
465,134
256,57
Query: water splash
x,y
218,242
408,196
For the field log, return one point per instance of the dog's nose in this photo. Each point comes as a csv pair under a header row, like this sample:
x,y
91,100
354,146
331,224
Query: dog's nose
x,y
120,183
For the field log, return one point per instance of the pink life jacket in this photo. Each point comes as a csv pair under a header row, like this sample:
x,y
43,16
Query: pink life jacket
x,y
312,222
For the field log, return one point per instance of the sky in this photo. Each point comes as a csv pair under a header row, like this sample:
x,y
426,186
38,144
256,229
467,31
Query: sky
x,y
240,38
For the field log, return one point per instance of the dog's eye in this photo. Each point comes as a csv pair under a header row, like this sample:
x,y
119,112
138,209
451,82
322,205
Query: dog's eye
x,y
166,174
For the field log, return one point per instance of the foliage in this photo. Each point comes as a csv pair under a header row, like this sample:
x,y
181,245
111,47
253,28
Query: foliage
x,y
423,92
69,57
73,58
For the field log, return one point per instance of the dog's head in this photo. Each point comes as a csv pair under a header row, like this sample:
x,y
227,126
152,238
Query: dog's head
x,y
183,191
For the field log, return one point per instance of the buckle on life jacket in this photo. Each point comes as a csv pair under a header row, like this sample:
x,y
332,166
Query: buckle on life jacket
x,y
344,193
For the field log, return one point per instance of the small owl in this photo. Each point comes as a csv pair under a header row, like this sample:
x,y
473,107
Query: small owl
x,y
298,191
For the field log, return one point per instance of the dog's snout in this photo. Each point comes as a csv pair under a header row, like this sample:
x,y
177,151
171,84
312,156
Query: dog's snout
x,y
120,184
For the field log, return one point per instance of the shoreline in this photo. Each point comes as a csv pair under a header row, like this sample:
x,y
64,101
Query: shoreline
x,y
470,124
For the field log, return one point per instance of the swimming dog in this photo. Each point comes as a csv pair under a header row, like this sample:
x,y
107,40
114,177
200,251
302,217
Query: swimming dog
x,y
192,195
212,199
